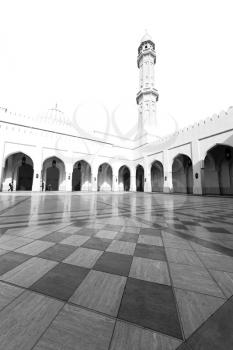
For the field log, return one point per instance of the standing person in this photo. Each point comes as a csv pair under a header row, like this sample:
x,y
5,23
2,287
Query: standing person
x,y
42,186
10,187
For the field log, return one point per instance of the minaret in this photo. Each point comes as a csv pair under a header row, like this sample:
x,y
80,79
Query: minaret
x,y
147,95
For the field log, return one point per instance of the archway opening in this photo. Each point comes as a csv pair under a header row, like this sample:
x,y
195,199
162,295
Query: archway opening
x,y
53,174
157,176
218,170
18,172
104,177
182,174
81,176
124,178
140,178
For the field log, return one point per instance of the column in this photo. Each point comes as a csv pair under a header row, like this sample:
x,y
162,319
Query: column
x,y
132,179
197,169
37,163
115,187
168,186
94,177
69,172
147,176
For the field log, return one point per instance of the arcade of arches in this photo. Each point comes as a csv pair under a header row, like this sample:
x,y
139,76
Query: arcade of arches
x,y
217,174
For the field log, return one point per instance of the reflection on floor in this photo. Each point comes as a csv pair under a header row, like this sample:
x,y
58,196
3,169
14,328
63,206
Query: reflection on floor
x,y
130,271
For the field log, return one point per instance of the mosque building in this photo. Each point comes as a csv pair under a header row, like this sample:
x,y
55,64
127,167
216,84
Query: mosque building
x,y
50,152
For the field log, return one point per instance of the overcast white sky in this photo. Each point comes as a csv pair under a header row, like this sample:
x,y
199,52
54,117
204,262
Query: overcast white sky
x,y
84,52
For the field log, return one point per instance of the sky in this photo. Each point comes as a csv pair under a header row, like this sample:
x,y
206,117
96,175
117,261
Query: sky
x,y
82,55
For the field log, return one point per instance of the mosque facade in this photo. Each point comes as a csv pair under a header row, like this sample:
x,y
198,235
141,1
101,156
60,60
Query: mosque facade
x,y
50,153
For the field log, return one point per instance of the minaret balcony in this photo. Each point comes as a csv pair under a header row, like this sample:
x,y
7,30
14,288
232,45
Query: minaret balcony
x,y
147,91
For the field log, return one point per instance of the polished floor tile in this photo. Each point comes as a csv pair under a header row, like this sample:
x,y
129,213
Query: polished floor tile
x,y
106,234
150,305
194,278
217,261
61,281
150,232
8,293
55,237
216,333
182,256
150,240
29,272
35,247
127,237
10,260
75,240
15,243
118,264
97,243
83,257
195,308
100,291
224,281
57,252
131,337
150,270
150,252
24,320
121,247
76,328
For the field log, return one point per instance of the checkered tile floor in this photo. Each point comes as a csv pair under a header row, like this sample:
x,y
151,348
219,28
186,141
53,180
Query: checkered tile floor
x,y
126,271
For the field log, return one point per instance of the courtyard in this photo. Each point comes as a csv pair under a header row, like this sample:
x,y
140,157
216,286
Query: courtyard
x,y
115,271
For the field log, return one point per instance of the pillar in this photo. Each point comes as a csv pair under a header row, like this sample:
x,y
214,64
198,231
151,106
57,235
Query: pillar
x,y
132,180
147,178
37,163
1,164
115,187
94,177
197,169
68,174
168,186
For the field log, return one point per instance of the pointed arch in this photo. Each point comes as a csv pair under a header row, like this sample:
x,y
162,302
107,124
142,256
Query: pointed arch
x,y
104,182
124,178
182,174
81,176
157,176
140,178
53,174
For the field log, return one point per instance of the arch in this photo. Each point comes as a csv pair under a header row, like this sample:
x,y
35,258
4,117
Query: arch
x,y
140,178
157,176
104,182
124,178
218,170
18,170
53,174
182,174
81,176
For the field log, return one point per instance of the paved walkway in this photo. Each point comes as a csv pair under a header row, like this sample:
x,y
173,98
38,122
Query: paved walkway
x,y
128,271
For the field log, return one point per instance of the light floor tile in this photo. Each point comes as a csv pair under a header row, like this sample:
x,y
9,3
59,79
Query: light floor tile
x,y
129,337
35,247
106,234
75,328
182,256
217,261
75,240
194,278
8,294
84,257
224,280
24,320
121,247
29,272
150,270
100,291
151,240
15,243
195,308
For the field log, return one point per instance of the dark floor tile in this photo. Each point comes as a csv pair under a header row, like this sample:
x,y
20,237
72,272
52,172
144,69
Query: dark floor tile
x,y
55,237
118,264
58,252
112,227
127,237
217,332
150,305
97,243
87,231
10,260
190,223
218,230
150,252
150,231
61,281
183,346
